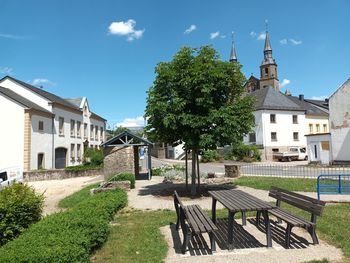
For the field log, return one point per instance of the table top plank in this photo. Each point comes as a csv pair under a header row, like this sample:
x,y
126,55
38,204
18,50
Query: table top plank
x,y
239,201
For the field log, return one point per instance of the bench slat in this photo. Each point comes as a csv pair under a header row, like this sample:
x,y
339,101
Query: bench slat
x,y
290,218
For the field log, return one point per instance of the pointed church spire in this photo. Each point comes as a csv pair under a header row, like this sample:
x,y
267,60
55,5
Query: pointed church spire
x,y
267,38
268,59
233,56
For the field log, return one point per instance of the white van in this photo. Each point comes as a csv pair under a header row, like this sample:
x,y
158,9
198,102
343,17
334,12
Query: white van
x,y
11,175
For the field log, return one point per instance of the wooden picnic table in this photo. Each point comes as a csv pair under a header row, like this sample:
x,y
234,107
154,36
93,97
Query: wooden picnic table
x,y
239,201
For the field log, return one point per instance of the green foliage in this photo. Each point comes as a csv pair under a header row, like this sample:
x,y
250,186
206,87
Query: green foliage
x,y
119,130
83,167
196,99
210,156
77,197
67,236
124,177
20,207
244,152
93,157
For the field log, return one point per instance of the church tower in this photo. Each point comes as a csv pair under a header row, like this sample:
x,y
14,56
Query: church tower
x,y
268,67
233,56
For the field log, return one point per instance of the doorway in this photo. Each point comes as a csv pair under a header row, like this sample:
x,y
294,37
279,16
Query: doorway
x,y
60,158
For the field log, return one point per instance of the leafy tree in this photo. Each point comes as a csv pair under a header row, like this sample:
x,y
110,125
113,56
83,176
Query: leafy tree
x,y
120,130
197,99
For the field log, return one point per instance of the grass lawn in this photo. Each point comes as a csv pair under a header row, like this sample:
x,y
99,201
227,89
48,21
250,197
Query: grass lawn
x,y
135,235
265,183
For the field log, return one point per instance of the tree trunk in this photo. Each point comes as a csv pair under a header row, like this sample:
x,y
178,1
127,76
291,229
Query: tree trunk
x,y
186,171
199,175
193,176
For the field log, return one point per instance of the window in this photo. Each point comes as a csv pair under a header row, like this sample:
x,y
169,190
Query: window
x,y
317,128
91,132
273,118
266,72
78,129
61,126
252,137
274,136
296,136
3,176
41,126
41,161
79,152
324,127
72,128
101,133
96,133
311,128
72,152
295,119
85,131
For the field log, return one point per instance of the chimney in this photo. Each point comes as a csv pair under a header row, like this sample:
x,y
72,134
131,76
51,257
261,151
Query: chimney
x,y
301,97
326,100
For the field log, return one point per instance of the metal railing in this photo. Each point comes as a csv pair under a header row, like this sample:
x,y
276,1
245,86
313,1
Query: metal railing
x,y
333,184
291,170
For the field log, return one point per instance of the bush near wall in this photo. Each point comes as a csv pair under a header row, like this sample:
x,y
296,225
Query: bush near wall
x,y
20,206
67,236
124,177
245,153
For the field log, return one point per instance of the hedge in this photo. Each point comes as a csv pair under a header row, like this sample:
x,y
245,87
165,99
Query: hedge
x,y
67,236
20,206
124,177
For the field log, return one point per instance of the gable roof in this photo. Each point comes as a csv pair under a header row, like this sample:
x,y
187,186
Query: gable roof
x,y
347,82
21,100
126,138
309,107
270,99
76,102
70,103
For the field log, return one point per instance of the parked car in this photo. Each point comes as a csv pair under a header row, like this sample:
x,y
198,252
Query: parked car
x,y
11,175
293,154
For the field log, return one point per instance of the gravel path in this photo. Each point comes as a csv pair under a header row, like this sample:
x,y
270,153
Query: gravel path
x,y
55,190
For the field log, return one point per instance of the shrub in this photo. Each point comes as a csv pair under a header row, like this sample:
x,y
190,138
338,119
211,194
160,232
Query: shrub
x,y
83,167
20,207
124,177
210,156
243,152
156,171
93,156
67,236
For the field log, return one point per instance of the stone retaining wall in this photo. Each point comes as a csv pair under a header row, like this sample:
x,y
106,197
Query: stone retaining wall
x,y
59,174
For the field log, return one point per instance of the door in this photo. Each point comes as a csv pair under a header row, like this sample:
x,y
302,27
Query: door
x,y
60,158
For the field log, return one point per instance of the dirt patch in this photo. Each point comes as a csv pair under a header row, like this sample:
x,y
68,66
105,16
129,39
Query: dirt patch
x,y
55,190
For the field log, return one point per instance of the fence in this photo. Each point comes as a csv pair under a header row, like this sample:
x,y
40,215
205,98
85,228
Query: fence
x,y
293,171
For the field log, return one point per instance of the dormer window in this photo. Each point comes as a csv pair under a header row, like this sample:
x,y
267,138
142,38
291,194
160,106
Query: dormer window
x,y
85,111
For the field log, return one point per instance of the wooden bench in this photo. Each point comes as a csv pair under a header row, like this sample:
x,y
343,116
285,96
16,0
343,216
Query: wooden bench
x,y
311,205
193,221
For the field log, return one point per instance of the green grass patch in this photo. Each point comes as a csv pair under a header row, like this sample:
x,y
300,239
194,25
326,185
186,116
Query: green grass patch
x,y
77,197
265,183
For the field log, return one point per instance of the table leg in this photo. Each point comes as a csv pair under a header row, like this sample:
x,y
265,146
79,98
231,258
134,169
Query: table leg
x,y
213,211
244,219
230,230
267,228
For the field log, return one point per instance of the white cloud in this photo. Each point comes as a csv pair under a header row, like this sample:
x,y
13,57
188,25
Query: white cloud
x,y
284,82
261,36
190,29
252,34
126,28
6,70
284,41
214,35
40,81
9,36
295,42
323,97
132,122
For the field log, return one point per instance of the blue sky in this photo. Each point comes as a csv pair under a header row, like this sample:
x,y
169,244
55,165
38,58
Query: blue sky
x,y
107,50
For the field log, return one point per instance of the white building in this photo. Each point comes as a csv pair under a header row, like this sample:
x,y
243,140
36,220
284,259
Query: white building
x,y
334,147
282,121
41,130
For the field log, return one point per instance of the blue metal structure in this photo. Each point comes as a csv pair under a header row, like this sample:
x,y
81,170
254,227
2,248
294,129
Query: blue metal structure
x,y
341,184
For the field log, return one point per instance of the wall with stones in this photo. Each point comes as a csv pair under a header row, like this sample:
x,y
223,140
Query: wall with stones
x,y
58,174
118,160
